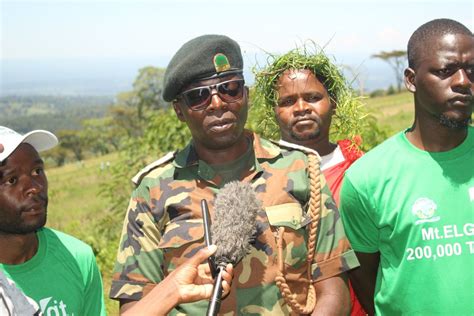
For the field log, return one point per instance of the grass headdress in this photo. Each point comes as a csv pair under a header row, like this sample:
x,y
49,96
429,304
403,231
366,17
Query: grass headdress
x,y
346,122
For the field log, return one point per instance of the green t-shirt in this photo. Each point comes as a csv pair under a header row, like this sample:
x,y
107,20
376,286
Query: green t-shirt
x,y
417,209
62,277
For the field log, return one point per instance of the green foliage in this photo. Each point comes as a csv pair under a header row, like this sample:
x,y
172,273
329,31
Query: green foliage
x,y
377,93
148,127
147,88
373,134
100,135
71,140
163,132
391,90
58,155
53,113
261,118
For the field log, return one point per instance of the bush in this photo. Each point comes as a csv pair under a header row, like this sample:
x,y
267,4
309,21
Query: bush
x,y
391,90
377,93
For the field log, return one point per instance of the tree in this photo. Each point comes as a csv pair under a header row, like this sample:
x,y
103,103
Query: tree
x,y
71,140
147,88
397,60
58,154
100,135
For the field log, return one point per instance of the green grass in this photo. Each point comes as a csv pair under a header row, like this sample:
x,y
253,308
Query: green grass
x,y
395,112
73,191
75,204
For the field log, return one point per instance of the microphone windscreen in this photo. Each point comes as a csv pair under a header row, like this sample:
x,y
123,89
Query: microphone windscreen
x,y
234,225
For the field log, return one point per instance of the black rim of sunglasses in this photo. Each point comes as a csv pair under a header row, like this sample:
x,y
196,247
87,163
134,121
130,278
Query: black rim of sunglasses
x,y
216,86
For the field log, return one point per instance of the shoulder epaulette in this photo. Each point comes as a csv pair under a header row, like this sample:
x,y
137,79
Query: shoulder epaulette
x,y
155,164
291,146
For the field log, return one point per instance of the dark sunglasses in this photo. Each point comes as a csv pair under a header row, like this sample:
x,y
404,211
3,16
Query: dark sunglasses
x,y
228,91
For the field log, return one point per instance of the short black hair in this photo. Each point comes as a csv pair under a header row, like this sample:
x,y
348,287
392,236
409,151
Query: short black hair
x,y
418,41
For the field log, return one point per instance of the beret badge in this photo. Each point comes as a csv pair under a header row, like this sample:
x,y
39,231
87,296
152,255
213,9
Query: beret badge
x,y
221,63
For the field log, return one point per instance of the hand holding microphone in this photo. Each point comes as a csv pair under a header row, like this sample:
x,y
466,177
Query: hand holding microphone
x,y
232,230
190,282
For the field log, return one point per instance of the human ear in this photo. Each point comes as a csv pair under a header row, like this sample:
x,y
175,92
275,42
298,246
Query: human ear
x,y
410,79
178,111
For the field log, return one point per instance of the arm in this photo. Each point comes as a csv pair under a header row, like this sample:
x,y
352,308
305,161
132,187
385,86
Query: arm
x,y
363,279
361,224
332,296
190,282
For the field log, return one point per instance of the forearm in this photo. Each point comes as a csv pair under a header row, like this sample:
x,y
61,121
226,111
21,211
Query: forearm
x,y
332,296
364,289
160,301
363,279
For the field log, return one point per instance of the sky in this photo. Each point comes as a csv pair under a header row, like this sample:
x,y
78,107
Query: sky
x,y
58,37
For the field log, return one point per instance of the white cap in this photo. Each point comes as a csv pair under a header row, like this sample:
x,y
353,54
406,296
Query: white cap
x,y
40,140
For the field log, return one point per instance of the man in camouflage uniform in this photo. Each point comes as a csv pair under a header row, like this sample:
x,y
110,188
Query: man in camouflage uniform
x,y
163,225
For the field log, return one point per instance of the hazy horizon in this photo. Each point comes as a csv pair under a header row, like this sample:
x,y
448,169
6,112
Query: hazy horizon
x,y
97,47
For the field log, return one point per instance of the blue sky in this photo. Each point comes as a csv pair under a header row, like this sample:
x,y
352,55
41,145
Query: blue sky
x,y
149,32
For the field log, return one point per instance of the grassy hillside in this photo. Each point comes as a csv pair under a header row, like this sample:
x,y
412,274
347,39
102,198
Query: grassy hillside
x,y
394,112
76,203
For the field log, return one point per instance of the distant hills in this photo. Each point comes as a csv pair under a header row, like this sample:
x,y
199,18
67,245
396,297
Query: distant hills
x,y
25,113
109,76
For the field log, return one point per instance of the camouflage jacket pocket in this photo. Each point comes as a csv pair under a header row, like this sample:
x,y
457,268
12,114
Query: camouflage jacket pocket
x,y
292,218
288,215
180,233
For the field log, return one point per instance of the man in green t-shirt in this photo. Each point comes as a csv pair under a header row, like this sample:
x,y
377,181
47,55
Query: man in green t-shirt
x,y
407,205
57,271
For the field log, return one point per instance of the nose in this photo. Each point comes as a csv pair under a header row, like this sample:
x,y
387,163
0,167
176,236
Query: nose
x,y
463,80
301,106
34,187
216,101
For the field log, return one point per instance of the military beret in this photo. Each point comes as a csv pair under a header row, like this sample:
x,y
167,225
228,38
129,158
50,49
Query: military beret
x,y
203,57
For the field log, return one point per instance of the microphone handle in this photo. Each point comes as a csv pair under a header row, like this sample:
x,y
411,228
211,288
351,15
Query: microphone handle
x,y
206,218
215,302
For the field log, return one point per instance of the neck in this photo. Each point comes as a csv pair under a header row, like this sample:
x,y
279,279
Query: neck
x,y
430,135
322,145
219,156
17,249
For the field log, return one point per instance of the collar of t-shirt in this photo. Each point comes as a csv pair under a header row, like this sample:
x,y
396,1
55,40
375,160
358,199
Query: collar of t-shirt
x,y
332,159
327,161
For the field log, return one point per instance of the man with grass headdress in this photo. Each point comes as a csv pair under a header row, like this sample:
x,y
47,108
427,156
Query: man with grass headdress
x,y
304,89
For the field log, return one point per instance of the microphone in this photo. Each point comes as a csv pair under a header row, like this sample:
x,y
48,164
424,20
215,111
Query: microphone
x,y
234,226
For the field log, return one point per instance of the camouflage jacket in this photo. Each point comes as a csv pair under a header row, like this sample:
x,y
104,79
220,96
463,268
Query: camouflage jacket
x,y
163,227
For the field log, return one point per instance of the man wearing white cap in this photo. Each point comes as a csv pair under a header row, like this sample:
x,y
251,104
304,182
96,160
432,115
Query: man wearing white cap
x,y
56,270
